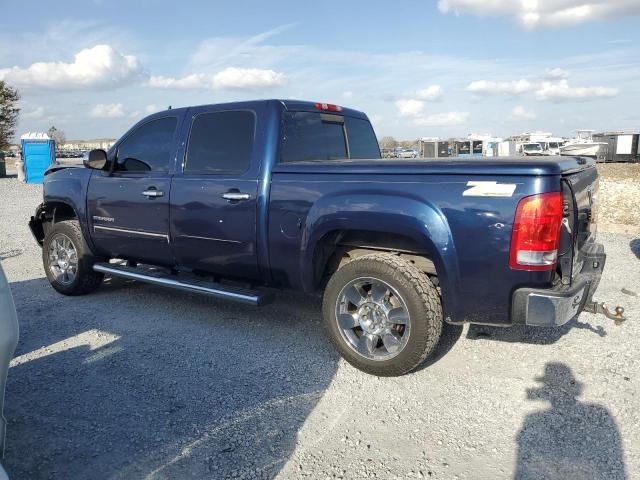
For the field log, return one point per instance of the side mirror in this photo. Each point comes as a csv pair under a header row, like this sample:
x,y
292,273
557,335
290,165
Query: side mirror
x,y
97,160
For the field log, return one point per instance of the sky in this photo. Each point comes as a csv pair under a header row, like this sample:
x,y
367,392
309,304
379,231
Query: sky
x,y
417,68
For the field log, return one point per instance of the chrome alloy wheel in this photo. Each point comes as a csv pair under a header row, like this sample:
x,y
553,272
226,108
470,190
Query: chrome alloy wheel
x,y
373,318
63,259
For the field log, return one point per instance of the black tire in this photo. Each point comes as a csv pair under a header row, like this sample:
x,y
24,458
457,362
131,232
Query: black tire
x,y
86,280
421,300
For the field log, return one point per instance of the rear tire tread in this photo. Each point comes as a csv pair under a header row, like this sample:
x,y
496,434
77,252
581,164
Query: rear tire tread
x,y
431,321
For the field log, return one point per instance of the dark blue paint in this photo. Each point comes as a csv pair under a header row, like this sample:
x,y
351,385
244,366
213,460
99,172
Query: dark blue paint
x,y
69,187
272,238
467,238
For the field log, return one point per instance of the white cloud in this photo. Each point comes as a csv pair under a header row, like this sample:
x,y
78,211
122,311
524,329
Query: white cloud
x,y
348,94
431,93
147,110
230,78
247,78
556,88
37,112
151,108
520,112
217,52
108,110
195,80
559,91
544,13
376,119
555,73
446,119
100,67
513,87
410,107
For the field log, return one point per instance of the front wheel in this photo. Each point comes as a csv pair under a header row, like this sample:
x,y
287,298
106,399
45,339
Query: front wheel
x,y
68,262
383,314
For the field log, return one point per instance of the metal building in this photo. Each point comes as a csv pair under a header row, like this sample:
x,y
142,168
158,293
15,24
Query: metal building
x,y
621,147
434,148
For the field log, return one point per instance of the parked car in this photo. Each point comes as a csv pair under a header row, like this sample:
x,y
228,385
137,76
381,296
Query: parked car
x,y
407,153
528,149
294,195
8,341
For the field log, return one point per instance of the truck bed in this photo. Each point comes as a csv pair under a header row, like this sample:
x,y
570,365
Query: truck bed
x,y
426,199
543,165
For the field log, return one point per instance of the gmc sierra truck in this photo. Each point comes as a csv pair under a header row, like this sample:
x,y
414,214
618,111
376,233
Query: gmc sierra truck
x,y
227,199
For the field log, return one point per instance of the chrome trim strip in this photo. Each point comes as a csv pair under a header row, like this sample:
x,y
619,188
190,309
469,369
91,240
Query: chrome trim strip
x,y
127,230
209,238
251,299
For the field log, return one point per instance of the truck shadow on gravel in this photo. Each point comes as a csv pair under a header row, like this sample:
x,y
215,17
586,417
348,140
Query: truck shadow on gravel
x,y
570,439
140,382
635,247
531,335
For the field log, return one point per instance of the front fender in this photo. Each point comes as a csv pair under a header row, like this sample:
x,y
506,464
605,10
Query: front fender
x,y
69,187
408,216
35,224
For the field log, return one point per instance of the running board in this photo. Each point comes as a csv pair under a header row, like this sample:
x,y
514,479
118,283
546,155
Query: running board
x,y
212,289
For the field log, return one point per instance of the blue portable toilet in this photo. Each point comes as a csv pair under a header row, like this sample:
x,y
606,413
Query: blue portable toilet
x,y
38,153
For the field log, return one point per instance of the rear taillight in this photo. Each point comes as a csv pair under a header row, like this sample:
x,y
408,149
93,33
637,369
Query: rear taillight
x,y
536,232
329,107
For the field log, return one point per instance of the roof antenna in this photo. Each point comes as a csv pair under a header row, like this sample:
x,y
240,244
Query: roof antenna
x,y
169,107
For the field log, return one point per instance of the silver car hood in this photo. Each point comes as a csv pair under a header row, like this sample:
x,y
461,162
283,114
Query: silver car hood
x,y
8,341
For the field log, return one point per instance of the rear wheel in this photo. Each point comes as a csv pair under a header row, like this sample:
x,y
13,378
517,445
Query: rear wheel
x,y
68,262
383,314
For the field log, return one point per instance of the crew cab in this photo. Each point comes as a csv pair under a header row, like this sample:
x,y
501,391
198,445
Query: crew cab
x,y
228,199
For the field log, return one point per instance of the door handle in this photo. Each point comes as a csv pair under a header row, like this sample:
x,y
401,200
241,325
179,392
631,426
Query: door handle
x,y
236,196
152,193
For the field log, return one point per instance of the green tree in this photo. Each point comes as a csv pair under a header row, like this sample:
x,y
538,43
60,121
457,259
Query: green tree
x,y
9,112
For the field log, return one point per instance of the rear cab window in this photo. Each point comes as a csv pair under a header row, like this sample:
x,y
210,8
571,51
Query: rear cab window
x,y
316,136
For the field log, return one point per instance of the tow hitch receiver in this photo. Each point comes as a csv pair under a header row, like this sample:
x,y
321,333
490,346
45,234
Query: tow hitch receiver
x,y
617,315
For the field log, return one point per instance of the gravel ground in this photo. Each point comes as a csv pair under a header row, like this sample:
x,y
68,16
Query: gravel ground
x,y
620,193
138,382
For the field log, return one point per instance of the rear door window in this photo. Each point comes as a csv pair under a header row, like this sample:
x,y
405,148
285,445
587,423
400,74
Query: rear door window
x,y
221,143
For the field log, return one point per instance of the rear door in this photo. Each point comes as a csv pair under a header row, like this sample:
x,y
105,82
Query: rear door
x,y
213,196
129,208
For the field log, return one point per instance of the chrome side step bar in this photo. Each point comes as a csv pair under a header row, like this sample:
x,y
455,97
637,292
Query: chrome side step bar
x,y
212,289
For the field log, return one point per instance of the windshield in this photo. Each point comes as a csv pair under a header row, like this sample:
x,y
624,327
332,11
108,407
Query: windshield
x,y
584,135
532,147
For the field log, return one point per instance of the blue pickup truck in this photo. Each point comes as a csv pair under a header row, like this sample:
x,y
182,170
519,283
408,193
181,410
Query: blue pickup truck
x,y
228,199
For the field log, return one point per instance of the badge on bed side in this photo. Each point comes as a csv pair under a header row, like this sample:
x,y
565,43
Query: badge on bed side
x,y
489,189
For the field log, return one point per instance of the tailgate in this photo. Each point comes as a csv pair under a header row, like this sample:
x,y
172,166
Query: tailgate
x,y
581,202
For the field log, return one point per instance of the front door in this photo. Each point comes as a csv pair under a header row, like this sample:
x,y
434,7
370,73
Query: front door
x,y
213,197
128,209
